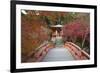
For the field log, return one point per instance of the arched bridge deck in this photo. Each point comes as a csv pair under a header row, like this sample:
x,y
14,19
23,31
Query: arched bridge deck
x,y
58,54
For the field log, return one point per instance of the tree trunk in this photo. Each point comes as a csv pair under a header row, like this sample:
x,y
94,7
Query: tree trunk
x,y
84,38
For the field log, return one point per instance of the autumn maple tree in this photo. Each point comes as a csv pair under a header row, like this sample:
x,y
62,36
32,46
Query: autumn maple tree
x,y
34,31
76,30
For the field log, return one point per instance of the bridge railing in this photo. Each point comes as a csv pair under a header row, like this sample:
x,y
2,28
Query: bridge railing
x,y
76,51
40,52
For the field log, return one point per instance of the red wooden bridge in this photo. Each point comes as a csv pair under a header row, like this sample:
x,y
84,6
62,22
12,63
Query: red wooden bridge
x,y
48,52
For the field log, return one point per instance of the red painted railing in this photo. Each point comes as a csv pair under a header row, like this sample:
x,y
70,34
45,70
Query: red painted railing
x,y
40,52
76,51
39,55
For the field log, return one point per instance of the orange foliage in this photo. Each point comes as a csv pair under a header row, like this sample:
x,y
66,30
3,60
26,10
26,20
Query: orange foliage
x,y
33,34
